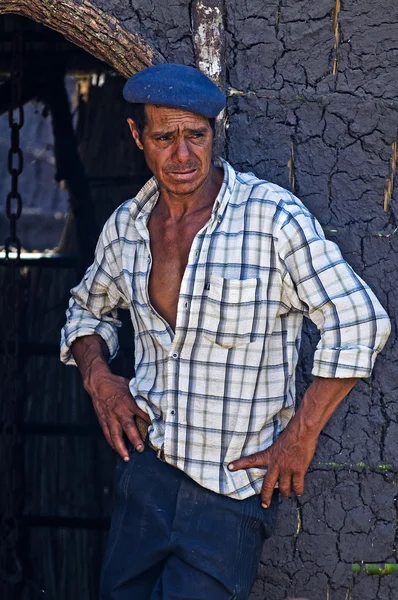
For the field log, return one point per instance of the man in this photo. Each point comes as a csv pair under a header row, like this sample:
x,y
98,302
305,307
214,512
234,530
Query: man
x,y
217,269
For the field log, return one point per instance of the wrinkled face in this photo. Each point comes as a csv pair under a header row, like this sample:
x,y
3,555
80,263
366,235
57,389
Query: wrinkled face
x,y
178,148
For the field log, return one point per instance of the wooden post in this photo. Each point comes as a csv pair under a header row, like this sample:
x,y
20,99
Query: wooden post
x,y
209,46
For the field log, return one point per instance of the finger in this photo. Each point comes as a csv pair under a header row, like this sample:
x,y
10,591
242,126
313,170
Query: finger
x,y
130,429
104,426
268,487
298,484
106,432
136,410
285,484
259,459
116,434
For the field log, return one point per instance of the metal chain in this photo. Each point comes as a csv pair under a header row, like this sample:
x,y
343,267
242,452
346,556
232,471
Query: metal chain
x,y
10,454
15,156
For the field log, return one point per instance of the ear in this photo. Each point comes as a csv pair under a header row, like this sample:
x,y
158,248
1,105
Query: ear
x,y
134,133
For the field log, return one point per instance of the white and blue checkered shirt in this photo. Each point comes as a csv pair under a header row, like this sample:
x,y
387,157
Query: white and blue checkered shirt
x,y
223,385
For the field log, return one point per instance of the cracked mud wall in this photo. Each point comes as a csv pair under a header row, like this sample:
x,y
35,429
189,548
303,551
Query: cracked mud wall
x,y
312,105
166,24
313,92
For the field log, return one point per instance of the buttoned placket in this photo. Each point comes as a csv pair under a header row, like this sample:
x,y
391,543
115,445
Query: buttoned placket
x,y
199,251
175,409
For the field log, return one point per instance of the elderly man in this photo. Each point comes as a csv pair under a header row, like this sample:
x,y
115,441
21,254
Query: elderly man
x,y
217,269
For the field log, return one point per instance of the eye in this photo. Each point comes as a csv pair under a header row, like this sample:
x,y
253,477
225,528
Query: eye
x,y
162,138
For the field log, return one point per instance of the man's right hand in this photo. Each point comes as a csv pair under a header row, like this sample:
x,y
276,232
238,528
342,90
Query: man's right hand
x,y
114,405
116,410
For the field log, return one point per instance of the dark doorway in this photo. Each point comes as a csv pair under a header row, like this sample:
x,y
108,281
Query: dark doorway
x,y
59,475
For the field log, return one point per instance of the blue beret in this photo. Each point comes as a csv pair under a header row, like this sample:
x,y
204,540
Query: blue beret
x,y
177,86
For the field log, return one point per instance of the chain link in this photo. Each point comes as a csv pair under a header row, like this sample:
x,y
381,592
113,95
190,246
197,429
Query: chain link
x,y
10,453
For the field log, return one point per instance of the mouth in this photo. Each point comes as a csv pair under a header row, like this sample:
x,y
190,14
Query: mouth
x,y
183,175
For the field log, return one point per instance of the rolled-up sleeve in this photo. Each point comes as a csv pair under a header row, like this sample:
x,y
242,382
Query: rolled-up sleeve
x,y
353,325
95,300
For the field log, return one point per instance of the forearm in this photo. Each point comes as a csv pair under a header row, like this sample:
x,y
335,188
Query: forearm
x,y
319,403
91,355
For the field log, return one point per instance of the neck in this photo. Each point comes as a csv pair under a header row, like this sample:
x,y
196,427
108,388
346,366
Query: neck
x,y
176,206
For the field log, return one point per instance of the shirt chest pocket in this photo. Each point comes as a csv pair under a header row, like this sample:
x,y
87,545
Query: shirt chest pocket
x,y
229,312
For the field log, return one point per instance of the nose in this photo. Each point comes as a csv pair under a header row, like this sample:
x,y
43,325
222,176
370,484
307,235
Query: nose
x,y
181,150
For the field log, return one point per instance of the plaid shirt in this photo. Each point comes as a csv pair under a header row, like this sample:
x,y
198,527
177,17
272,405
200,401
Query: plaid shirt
x,y
223,385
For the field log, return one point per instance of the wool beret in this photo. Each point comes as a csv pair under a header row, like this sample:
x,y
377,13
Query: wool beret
x,y
177,86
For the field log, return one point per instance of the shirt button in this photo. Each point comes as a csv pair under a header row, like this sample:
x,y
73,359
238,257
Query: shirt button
x,y
197,253
219,218
172,412
186,304
174,355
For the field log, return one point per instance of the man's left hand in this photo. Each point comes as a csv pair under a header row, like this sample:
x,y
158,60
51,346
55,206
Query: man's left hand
x,y
290,455
287,460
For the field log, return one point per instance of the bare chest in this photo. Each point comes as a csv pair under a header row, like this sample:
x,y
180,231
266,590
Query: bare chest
x,y
170,247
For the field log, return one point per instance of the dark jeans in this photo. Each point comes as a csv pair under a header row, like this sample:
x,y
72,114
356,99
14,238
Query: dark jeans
x,y
172,539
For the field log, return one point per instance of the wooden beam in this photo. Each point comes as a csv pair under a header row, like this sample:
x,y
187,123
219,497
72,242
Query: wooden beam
x,y
90,28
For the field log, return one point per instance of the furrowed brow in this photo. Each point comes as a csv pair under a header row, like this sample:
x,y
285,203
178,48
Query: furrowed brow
x,y
197,130
189,130
161,133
